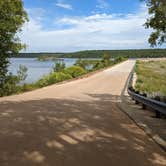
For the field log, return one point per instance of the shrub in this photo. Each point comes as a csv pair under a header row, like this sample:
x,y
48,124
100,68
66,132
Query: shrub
x,y
62,76
74,71
87,65
81,63
10,85
22,73
119,59
53,78
98,65
59,67
11,82
106,56
27,87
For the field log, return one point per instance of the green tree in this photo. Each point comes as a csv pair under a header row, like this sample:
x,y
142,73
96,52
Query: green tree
x,y
12,17
11,85
59,67
106,59
106,56
22,73
157,21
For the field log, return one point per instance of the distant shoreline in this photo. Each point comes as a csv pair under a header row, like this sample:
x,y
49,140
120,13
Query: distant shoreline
x,y
141,53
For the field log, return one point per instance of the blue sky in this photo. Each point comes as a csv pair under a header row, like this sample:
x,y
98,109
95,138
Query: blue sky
x,y
83,7
73,25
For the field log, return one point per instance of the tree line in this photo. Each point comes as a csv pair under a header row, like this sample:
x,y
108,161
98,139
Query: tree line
x,y
142,53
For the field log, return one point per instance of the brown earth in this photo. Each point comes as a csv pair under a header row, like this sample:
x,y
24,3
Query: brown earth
x,y
75,124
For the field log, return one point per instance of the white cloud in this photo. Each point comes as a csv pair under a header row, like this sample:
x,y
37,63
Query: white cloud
x,y
64,5
100,31
36,13
102,4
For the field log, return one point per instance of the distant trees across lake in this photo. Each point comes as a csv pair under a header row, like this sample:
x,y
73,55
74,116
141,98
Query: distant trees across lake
x,y
143,53
49,58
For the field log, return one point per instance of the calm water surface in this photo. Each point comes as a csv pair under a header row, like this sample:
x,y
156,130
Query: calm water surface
x,y
36,69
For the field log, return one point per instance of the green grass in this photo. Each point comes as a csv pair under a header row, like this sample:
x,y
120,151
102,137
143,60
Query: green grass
x,y
151,78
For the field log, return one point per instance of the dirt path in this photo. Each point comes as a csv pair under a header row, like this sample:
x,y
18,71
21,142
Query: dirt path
x,y
75,124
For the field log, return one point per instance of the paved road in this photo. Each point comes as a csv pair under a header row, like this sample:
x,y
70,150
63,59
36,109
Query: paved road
x,y
75,124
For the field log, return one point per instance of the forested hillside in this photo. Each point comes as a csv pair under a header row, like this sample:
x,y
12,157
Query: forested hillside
x,y
98,54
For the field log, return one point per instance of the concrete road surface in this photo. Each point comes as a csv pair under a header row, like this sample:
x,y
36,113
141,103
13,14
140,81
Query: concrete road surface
x,y
75,124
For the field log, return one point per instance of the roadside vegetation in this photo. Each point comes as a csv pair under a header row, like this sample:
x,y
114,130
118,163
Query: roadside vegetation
x,y
12,82
12,17
59,73
151,79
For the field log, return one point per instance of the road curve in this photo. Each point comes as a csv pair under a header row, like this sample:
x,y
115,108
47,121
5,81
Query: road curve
x,y
75,124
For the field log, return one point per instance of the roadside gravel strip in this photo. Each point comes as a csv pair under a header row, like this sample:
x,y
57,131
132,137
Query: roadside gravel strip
x,y
77,123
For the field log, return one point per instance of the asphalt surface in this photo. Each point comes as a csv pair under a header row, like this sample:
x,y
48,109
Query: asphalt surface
x,y
75,124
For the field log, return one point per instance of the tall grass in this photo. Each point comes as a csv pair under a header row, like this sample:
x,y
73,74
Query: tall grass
x,y
151,78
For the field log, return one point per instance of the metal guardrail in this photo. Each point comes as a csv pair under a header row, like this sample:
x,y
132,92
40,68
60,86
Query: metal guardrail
x,y
157,106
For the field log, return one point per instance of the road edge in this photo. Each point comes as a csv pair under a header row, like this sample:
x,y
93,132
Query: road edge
x,y
66,81
123,107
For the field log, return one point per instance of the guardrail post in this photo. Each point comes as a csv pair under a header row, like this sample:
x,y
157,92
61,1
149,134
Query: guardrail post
x,y
143,106
136,102
158,114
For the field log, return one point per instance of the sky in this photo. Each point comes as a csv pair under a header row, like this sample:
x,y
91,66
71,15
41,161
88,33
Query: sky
x,y
74,25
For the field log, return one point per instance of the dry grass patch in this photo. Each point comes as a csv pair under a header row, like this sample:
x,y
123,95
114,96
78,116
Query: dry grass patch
x,y
151,78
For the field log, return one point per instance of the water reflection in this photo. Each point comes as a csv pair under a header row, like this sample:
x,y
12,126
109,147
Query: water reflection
x,y
36,69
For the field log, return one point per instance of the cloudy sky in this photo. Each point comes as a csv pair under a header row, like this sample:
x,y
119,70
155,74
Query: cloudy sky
x,y
73,25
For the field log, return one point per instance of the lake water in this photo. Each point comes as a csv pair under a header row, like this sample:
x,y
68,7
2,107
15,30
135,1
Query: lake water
x,y
36,69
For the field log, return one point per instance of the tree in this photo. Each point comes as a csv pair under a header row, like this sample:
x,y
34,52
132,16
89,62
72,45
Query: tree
x,y
157,21
106,56
12,17
106,59
22,73
59,67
